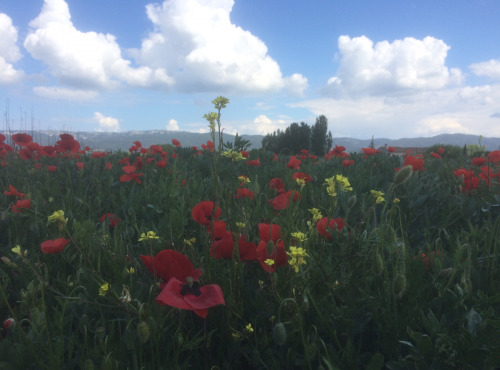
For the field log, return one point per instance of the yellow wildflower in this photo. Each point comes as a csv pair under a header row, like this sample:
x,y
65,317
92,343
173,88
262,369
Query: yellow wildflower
x,y
299,236
297,255
300,182
379,196
58,216
17,250
240,225
131,271
269,262
244,179
233,155
104,289
150,235
396,200
330,186
343,183
316,214
249,328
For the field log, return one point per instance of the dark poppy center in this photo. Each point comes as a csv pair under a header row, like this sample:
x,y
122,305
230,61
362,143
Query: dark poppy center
x,y
193,289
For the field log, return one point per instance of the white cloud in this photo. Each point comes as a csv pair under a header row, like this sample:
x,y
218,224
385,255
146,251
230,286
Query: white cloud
x,y
9,52
64,93
424,113
172,125
83,60
106,123
407,65
197,43
263,125
491,68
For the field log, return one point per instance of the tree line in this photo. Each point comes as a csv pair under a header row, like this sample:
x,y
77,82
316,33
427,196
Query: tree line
x,y
297,137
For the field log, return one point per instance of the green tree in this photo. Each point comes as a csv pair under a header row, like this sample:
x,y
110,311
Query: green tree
x,y
320,140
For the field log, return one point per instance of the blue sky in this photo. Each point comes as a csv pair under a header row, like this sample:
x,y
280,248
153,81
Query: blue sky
x,y
374,68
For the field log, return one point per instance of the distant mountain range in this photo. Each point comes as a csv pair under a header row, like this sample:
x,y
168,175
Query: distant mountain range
x,y
124,140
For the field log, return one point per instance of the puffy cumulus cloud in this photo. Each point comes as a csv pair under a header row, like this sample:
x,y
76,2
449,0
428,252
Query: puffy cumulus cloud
x,y
172,125
425,113
9,51
407,65
195,41
84,60
109,124
491,68
64,93
263,125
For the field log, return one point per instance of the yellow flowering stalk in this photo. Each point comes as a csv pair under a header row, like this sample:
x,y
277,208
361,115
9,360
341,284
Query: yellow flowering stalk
x,y
297,255
396,200
240,225
103,290
343,183
233,155
330,186
299,236
300,182
378,195
58,216
150,235
243,178
17,250
269,262
316,214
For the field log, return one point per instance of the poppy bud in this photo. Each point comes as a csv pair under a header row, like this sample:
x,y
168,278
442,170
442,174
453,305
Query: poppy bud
x,y
378,264
279,334
9,324
399,285
143,331
403,174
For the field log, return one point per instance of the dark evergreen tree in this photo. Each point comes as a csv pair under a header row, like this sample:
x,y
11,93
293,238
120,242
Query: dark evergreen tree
x,y
319,138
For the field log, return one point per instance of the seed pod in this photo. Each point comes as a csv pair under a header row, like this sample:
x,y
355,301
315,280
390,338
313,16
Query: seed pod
x,y
352,201
378,265
279,334
143,331
399,285
403,175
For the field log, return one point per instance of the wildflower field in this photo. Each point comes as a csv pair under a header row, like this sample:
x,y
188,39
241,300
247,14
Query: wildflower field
x,y
214,257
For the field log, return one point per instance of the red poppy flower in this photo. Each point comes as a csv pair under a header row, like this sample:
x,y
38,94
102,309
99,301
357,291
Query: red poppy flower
x,y
67,144
294,163
478,161
277,184
494,156
26,154
2,138
275,157
440,150
270,247
109,165
80,165
210,146
280,202
390,149
161,164
125,160
13,191
244,153
169,264
223,244
176,142
111,219
21,139
416,162
130,174
347,162
20,205
254,162
190,296
54,246
326,224
98,155
244,193
52,168
204,211
370,151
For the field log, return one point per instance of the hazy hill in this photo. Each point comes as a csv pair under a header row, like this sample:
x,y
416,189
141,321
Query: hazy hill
x,y
123,140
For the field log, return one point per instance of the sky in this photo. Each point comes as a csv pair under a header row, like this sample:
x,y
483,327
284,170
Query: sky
x,y
383,68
